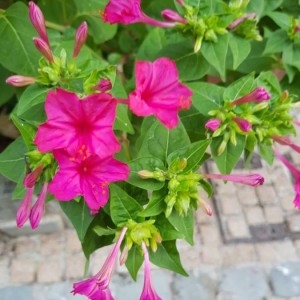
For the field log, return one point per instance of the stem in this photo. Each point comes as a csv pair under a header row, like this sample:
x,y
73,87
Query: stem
x,y
55,26
125,143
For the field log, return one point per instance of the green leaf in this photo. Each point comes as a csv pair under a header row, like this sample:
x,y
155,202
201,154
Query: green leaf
x,y
166,229
215,54
184,225
12,162
159,142
149,164
277,42
167,256
122,206
229,158
193,153
27,131
270,80
134,261
240,49
266,153
79,215
103,231
7,91
156,204
18,54
206,96
283,20
122,120
291,55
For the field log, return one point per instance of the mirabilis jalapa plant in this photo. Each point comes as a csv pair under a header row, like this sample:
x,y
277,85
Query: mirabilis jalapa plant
x,y
117,131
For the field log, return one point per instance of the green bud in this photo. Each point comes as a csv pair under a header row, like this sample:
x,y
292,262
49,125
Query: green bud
x,y
260,106
222,147
177,165
182,204
211,36
173,184
198,43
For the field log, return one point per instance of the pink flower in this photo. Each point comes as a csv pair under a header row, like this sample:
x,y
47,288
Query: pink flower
x,y
38,209
128,12
249,179
148,292
44,48
19,80
23,211
73,122
173,16
213,124
158,92
258,95
97,287
282,140
80,38
296,174
37,19
87,175
243,124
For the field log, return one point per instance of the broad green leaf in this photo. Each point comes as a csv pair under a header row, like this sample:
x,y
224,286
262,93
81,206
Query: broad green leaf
x,y
33,95
79,214
206,96
229,158
193,153
215,54
18,53
184,225
35,115
166,229
103,231
12,161
7,91
122,206
149,164
134,261
122,122
27,131
281,19
266,153
159,142
167,256
291,55
240,49
277,42
269,80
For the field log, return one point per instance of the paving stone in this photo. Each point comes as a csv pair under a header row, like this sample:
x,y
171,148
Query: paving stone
x,y
52,244
196,286
248,283
50,270
266,194
285,279
273,214
75,265
210,235
16,293
72,242
238,254
26,246
229,204
238,228
190,255
4,271
23,270
210,255
294,222
247,195
255,215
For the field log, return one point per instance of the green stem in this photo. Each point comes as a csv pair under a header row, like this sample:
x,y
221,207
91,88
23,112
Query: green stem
x,y
2,11
55,26
125,144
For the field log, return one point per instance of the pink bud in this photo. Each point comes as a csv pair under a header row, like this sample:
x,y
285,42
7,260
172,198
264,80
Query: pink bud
x,y
104,85
238,21
23,211
37,19
31,178
180,2
213,124
38,209
258,95
173,16
243,124
44,48
80,38
19,80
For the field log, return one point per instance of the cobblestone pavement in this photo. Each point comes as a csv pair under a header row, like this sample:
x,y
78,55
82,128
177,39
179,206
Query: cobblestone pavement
x,y
238,262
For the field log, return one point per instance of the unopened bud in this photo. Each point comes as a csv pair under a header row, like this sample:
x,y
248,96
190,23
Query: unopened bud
x,y
173,16
80,38
44,48
144,174
19,80
213,124
104,85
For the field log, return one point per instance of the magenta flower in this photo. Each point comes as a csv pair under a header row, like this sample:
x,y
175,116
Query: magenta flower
x,y
19,80
23,211
243,124
44,48
38,209
173,16
37,19
282,140
158,92
97,287
248,179
148,292
213,124
258,95
87,175
74,122
80,38
129,12
296,174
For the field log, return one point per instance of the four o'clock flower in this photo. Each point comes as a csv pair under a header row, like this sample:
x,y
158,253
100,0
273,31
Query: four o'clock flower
x,y
243,124
213,124
80,38
148,292
73,122
129,12
37,19
258,95
97,287
296,174
19,80
282,140
87,175
158,92
248,179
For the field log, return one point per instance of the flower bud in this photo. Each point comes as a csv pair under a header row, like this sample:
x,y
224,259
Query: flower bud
x,y
104,85
243,124
44,48
238,21
19,80
173,16
80,38
213,124
23,212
